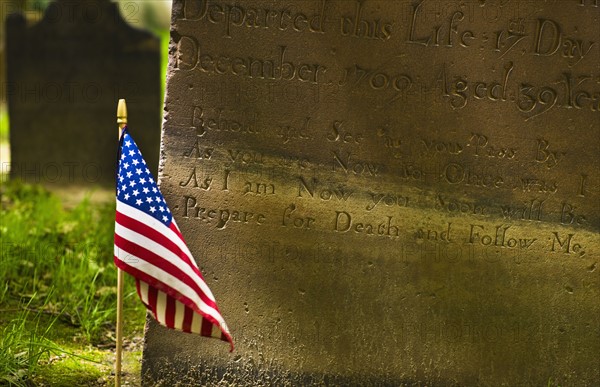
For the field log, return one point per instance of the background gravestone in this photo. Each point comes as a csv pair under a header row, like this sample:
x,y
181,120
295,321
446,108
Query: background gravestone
x,y
387,192
65,76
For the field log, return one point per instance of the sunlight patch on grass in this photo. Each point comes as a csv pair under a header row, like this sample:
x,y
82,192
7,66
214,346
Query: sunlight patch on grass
x,y
86,368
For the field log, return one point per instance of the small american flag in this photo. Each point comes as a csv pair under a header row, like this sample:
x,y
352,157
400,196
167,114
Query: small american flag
x,y
150,247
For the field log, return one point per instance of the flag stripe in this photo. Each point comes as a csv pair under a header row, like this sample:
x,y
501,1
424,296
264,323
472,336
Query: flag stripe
x,y
154,255
187,319
142,289
162,270
170,310
161,307
183,314
206,328
133,230
171,233
146,271
152,295
196,323
178,315
154,233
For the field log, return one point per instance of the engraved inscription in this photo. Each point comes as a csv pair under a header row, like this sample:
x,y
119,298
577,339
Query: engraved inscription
x,y
392,159
219,217
277,67
232,18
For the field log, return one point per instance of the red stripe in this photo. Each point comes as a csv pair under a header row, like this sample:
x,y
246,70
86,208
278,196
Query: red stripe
x,y
152,291
163,264
137,287
170,312
188,316
206,329
156,236
152,296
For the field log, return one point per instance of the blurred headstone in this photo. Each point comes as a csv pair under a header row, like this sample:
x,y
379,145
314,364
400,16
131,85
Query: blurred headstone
x,y
65,76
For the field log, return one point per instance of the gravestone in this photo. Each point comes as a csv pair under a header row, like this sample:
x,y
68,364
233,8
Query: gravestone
x,y
386,193
65,76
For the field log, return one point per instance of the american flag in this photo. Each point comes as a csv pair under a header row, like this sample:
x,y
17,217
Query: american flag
x,y
150,247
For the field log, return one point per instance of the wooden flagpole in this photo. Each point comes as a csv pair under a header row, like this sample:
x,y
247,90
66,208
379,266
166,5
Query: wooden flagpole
x,y
122,122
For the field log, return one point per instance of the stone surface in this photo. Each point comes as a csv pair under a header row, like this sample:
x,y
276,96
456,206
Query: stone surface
x,y
65,76
384,192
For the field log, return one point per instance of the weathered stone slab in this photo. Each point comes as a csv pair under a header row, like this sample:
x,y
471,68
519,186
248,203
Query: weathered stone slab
x,y
65,76
387,192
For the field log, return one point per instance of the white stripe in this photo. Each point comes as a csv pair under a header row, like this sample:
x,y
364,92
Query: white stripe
x,y
161,307
162,276
196,323
151,222
179,313
143,291
164,253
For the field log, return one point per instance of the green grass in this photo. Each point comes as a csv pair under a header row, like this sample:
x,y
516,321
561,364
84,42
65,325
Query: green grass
x,y
164,36
58,288
58,295
23,345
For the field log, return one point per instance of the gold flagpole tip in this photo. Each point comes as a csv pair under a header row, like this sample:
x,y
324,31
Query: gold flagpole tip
x,y
122,113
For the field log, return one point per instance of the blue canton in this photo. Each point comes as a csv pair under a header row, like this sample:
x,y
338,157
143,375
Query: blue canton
x,y
135,185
